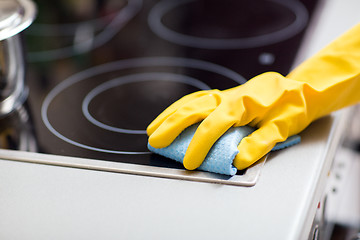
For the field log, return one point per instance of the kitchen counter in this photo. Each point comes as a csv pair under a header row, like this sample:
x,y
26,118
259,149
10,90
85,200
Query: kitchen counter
x,y
40,201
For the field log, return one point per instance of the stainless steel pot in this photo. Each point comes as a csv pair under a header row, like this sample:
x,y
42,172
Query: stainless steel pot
x,y
15,16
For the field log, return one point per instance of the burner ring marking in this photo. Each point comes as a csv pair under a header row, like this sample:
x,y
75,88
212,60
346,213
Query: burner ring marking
x,y
141,77
159,10
127,64
123,16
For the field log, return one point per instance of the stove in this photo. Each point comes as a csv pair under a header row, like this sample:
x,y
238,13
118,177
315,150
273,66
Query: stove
x,y
100,71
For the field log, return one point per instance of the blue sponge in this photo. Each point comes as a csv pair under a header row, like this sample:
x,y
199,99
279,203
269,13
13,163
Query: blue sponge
x,y
221,155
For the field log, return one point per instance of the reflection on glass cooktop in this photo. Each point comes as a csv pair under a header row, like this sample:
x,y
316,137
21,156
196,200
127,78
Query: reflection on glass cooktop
x,y
99,73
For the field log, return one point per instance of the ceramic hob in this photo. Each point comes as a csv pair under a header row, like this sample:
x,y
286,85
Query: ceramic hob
x,y
99,73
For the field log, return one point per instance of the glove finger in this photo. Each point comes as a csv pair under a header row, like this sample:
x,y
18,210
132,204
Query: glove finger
x,y
257,144
259,96
187,115
208,132
171,109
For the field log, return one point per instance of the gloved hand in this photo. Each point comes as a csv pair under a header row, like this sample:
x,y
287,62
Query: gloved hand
x,y
278,106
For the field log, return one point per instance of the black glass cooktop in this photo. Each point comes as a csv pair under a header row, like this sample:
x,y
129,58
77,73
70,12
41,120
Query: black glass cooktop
x,y
100,71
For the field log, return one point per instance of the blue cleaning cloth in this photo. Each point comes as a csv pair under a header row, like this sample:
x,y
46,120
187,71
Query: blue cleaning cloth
x,y
223,152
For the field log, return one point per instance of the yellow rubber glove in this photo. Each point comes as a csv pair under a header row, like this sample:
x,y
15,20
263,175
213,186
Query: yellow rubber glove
x,y
278,106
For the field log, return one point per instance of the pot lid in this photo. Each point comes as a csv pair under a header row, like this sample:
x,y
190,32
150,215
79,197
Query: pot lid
x,y
15,16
